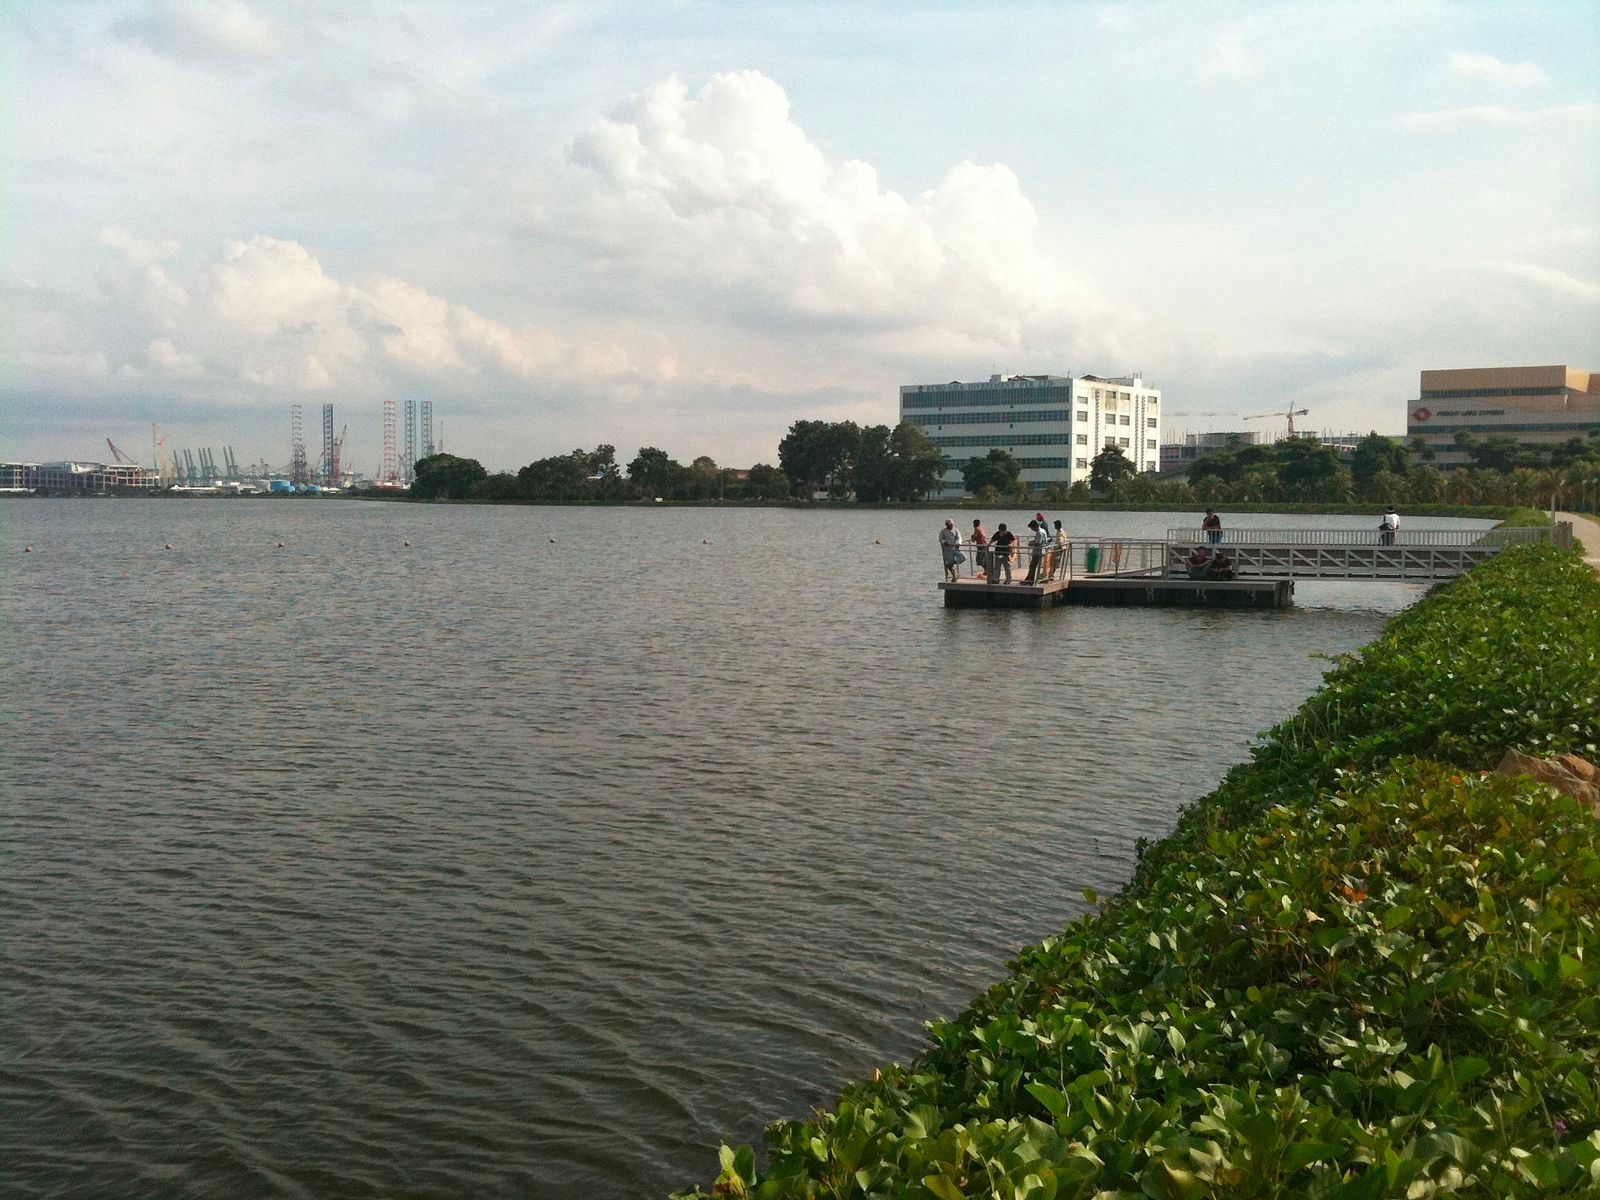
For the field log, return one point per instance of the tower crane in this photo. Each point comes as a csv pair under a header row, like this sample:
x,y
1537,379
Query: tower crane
x,y
163,463
117,455
1290,415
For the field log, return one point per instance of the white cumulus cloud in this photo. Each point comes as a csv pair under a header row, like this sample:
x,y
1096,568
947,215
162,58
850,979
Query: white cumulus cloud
x,y
1489,68
721,190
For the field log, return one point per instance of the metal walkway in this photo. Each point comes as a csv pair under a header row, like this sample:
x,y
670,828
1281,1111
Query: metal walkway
x,y
1420,556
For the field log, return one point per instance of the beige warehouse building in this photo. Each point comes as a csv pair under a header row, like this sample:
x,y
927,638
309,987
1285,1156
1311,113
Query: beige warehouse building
x,y
1537,406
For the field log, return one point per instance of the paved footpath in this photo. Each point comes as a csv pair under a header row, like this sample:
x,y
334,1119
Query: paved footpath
x,y
1586,532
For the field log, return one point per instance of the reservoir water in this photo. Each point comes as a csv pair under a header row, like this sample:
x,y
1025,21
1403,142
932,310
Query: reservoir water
x,y
497,865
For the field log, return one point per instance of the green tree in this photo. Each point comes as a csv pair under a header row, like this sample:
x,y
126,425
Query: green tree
x,y
766,482
499,488
446,477
1376,453
817,454
873,474
997,470
558,479
919,467
653,472
1310,471
1110,465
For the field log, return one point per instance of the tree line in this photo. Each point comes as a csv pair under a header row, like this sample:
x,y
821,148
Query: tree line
x,y
839,459
875,463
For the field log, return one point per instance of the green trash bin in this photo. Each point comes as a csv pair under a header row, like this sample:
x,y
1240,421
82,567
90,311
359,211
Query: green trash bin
x,y
1091,559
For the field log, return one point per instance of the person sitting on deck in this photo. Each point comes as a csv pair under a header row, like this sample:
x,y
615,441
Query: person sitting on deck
x,y
1001,544
1388,527
1197,562
1221,566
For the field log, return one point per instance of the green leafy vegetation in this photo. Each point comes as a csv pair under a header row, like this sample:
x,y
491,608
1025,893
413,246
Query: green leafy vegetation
x,y
1359,969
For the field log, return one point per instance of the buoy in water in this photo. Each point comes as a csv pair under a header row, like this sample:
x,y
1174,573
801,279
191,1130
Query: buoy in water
x,y
168,546
27,549
405,543
877,541
280,545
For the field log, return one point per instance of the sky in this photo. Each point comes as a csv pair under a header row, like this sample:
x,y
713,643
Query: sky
x,y
691,224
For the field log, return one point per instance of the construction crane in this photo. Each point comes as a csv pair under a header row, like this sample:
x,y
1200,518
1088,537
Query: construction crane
x,y
338,468
1199,414
117,456
1291,414
163,463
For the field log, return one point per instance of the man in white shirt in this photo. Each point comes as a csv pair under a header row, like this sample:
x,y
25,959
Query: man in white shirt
x,y
1388,527
950,549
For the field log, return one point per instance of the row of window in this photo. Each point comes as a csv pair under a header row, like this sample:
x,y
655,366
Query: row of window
x,y
1005,441
998,439
1046,414
1027,464
986,397
1479,393
1521,427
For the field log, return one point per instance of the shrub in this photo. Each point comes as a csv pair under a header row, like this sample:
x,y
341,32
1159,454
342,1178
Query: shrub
x,y
1352,972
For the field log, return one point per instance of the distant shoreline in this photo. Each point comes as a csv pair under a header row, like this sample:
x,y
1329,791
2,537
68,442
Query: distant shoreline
x,y
1484,512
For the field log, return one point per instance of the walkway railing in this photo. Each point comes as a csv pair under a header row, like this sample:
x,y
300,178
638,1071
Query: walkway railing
x,y
1497,538
1080,558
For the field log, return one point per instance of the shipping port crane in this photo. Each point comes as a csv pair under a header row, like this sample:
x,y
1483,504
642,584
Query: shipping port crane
x,y
1291,414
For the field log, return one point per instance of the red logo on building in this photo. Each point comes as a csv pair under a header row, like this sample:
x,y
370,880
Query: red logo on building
x,y
1421,415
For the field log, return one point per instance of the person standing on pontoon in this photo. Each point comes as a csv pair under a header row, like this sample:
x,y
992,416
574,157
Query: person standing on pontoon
x,y
950,549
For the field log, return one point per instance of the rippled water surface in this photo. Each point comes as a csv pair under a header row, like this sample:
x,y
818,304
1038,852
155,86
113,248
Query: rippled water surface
x,y
497,865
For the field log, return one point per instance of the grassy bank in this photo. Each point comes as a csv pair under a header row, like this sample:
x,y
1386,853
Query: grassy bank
x,y
1359,968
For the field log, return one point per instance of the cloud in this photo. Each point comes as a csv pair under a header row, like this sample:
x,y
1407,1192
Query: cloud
x,y
1228,59
265,318
1489,68
722,192
1551,279
142,251
207,32
1499,115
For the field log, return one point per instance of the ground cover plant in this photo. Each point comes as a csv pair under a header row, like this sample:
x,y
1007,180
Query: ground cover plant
x,y
1361,968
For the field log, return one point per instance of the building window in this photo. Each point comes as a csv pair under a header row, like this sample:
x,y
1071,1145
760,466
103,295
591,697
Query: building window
x,y
1082,462
1082,416
1150,422
1111,441
1125,419
1122,441
1083,439
1150,444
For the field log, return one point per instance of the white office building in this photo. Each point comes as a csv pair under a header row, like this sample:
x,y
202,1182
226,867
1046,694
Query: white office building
x,y
1053,425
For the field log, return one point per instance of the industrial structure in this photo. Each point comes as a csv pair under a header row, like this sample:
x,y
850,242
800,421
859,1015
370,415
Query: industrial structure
x,y
299,468
408,463
389,470
1537,407
1053,425
427,429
